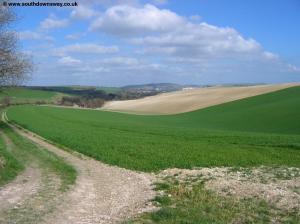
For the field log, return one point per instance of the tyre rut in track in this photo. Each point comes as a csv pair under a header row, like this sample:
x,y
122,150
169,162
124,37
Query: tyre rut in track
x,y
102,193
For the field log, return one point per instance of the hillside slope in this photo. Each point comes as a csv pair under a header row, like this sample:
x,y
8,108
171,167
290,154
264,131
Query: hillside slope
x,y
276,112
261,130
189,100
26,95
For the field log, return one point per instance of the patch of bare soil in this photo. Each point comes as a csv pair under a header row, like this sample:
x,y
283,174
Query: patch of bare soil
x,y
189,100
35,208
278,186
23,187
102,193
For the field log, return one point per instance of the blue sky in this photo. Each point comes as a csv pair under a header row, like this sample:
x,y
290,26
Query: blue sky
x,y
115,43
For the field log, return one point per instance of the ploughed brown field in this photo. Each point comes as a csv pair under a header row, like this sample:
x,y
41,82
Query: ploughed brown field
x,y
192,99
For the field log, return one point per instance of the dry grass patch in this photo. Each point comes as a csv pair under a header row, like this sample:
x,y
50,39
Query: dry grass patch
x,y
275,185
226,195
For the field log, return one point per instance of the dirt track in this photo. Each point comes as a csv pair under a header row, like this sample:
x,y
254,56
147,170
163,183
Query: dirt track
x,y
19,190
102,193
32,194
24,186
189,100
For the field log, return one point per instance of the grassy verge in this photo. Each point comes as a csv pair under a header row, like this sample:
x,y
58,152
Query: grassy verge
x,y
27,152
190,202
9,165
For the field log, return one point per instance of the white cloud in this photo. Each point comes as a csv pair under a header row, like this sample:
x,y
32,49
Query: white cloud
x,y
128,64
75,36
293,68
53,23
83,12
113,65
270,56
161,31
72,36
87,48
160,46
200,40
30,35
129,20
69,61
107,3
121,61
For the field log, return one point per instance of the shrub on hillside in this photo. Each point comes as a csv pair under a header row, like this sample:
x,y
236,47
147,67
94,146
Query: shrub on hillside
x,y
82,102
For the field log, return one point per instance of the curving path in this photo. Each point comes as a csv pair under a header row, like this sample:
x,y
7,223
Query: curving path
x,y
102,193
32,194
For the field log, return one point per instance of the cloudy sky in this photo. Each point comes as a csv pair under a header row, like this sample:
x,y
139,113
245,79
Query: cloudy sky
x,y
115,43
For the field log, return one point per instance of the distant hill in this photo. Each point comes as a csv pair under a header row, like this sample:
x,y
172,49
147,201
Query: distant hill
x,y
32,94
158,87
153,88
114,93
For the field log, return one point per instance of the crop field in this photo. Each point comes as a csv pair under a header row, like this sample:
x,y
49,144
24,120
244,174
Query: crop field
x,y
261,130
20,95
187,100
109,90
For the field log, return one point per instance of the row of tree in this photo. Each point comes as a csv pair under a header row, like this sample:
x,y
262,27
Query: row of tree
x,y
82,102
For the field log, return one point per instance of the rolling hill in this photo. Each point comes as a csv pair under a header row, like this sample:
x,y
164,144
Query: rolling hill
x,y
27,95
191,99
261,130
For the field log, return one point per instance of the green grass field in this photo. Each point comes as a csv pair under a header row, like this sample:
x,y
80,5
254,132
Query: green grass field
x,y
262,130
25,95
9,165
109,90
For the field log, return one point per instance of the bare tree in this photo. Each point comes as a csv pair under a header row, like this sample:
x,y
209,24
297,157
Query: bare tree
x,y
14,65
